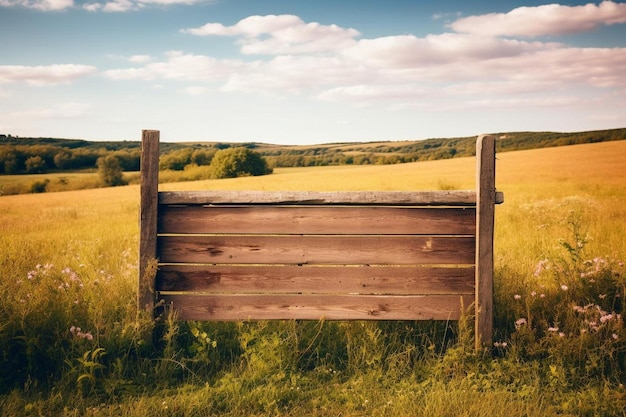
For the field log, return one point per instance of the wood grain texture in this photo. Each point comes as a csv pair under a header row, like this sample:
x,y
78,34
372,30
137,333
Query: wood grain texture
x,y
362,255
399,198
334,250
316,307
149,189
485,214
316,220
305,279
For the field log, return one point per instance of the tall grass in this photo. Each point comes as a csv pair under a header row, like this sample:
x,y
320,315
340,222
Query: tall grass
x,y
73,343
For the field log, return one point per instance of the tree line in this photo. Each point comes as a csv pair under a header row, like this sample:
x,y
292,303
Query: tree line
x,y
40,155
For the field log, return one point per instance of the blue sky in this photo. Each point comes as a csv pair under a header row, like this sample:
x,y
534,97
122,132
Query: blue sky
x,y
301,72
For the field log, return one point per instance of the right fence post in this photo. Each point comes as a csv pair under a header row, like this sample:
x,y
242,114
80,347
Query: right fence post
x,y
485,210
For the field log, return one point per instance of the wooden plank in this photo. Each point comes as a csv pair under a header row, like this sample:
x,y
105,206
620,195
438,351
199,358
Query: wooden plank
x,y
400,198
338,250
316,220
148,216
315,307
245,279
486,192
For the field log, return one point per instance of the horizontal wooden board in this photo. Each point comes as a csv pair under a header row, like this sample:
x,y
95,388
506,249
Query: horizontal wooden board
x,y
316,220
245,279
451,198
335,250
316,307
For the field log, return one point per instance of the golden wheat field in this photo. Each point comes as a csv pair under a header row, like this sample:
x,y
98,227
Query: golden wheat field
x,y
69,261
593,172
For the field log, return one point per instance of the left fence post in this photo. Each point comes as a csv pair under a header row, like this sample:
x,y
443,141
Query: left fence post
x,y
149,190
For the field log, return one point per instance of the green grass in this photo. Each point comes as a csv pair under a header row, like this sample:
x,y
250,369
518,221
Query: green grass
x,y
68,260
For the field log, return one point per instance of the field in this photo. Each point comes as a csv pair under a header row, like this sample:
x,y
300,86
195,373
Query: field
x,y
72,342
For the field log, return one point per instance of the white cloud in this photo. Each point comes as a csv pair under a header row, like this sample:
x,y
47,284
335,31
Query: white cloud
x,y
550,19
44,75
61,110
365,93
436,72
195,90
284,34
409,51
178,66
43,5
95,6
140,59
502,103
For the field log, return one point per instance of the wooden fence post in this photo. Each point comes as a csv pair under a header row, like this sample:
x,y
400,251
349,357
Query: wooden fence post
x,y
485,210
148,218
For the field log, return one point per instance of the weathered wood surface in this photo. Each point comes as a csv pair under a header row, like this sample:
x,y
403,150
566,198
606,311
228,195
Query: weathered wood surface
x,y
245,279
316,307
392,198
336,250
363,255
485,214
148,210
316,220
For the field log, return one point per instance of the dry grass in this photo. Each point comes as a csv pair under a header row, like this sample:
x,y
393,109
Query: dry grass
x,y
94,232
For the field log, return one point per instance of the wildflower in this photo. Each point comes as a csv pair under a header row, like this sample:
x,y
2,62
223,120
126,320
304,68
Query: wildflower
x,y
517,296
561,334
553,329
78,333
606,317
520,322
541,266
533,293
614,336
564,287
542,295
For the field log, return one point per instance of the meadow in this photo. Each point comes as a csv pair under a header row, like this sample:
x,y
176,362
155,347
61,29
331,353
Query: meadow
x,y
72,342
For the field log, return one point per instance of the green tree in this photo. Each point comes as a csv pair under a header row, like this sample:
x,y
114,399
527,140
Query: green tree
x,y
110,171
35,165
238,162
176,160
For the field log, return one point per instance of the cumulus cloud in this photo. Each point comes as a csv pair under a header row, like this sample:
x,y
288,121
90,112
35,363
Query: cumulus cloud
x,y
443,71
95,6
55,111
409,51
195,90
367,93
550,19
178,66
140,59
43,5
44,74
284,34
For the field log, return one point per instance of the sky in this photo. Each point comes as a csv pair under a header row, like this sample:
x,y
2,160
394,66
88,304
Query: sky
x,y
309,72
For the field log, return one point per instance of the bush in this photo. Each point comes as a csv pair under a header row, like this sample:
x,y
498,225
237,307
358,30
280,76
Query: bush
x,y
238,162
35,165
110,171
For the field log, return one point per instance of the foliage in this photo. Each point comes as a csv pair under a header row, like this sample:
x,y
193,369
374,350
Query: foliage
x,y
110,171
238,162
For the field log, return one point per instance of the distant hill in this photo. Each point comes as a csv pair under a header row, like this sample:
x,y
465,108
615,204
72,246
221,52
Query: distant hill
x,y
32,155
